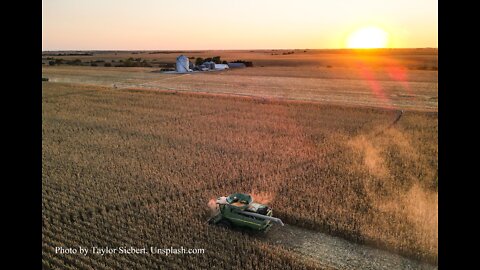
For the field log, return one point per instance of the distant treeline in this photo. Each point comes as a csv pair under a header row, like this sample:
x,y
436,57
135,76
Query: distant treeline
x,y
247,63
67,54
130,62
218,60
168,52
215,59
136,62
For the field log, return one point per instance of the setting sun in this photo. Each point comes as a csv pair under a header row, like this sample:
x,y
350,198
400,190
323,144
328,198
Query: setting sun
x,y
368,37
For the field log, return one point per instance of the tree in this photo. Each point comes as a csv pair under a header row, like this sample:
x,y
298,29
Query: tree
x,y
216,59
145,63
75,62
199,61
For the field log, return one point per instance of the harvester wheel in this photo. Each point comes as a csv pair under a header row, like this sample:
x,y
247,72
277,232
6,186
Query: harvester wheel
x,y
225,224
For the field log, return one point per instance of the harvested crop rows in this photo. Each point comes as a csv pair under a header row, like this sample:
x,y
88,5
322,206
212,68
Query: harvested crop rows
x,y
137,168
392,88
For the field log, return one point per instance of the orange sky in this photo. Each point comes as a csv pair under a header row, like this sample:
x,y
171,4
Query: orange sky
x,y
233,24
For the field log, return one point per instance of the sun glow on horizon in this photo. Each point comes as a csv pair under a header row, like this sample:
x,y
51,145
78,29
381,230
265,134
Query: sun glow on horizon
x,y
368,37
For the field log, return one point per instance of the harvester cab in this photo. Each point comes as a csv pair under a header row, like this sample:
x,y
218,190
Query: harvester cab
x,y
240,210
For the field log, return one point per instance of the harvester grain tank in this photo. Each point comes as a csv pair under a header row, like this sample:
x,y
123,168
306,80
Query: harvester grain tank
x,y
241,211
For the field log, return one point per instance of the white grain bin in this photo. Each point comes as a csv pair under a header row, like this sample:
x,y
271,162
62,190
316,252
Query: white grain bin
x,y
182,64
221,66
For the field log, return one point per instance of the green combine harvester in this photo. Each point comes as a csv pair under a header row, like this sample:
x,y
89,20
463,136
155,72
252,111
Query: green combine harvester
x,y
239,210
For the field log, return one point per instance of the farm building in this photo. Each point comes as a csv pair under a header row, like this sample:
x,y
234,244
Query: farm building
x,y
210,65
236,65
182,64
221,66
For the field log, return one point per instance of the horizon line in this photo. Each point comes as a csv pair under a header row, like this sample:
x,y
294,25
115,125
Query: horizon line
x,y
258,49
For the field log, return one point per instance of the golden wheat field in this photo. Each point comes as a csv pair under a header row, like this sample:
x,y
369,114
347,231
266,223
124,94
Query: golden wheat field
x,y
336,142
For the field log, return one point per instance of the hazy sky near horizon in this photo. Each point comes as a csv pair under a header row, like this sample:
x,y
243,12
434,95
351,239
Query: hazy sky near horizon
x,y
232,24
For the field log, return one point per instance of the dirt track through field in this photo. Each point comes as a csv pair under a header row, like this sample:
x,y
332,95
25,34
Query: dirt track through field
x,y
337,253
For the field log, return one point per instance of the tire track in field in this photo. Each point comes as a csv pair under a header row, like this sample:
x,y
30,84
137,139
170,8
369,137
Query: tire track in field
x,y
397,118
